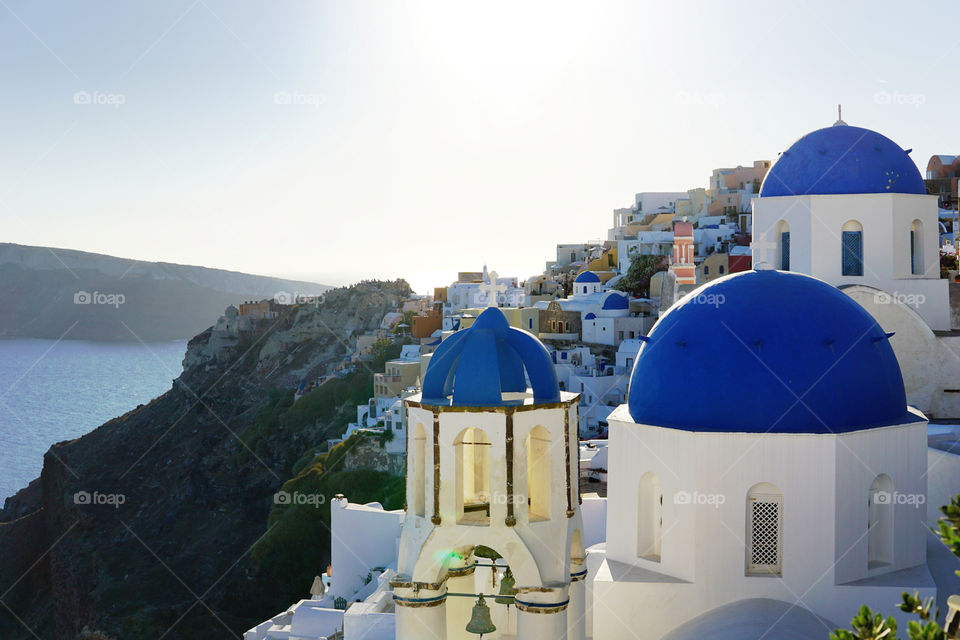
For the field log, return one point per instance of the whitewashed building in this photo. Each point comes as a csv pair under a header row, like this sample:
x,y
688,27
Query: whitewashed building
x,y
848,205
802,488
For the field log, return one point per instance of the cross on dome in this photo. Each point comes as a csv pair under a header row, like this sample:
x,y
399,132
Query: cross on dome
x,y
839,122
761,249
491,289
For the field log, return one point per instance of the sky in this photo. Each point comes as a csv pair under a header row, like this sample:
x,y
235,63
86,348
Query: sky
x,y
337,141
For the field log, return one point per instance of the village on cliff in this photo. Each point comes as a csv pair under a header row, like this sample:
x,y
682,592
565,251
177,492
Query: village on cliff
x,y
735,417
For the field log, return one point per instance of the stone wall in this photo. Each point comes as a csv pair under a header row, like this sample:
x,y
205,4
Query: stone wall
x,y
370,454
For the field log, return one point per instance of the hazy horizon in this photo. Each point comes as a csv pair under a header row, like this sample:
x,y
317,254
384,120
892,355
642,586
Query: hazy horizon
x,y
335,142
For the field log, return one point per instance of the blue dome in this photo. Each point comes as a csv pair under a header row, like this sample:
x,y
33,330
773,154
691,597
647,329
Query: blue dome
x,y
590,316
770,352
843,159
477,365
616,300
587,276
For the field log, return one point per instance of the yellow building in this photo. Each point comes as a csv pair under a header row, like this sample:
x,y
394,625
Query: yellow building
x,y
606,265
397,376
715,266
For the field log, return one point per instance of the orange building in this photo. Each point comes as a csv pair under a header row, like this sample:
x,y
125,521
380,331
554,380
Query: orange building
x,y
682,264
424,325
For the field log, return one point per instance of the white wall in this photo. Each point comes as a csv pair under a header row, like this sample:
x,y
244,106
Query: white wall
x,y
594,511
927,362
362,537
815,243
703,552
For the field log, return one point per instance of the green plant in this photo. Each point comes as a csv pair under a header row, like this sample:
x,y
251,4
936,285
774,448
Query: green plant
x,y
868,626
636,281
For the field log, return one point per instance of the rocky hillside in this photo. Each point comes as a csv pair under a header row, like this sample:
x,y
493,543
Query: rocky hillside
x,y
144,527
50,293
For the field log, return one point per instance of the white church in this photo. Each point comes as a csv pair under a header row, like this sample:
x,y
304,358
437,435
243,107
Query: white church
x,y
848,205
771,503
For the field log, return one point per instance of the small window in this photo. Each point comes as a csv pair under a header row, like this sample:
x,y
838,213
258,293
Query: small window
x,y
916,248
706,270
530,323
721,269
764,530
852,257
880,522
649,517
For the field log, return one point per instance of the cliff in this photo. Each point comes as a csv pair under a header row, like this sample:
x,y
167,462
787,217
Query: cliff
x,y
144,527
52,293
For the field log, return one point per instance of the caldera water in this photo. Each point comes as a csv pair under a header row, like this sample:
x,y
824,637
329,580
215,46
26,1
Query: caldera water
x,y
59,390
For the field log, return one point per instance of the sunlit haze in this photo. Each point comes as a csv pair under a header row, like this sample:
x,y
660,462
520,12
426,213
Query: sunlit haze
x,y
340,141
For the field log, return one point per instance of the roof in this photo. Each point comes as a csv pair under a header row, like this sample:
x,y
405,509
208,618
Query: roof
x,y
661,218
829,369
842,160
615,300
476,366
753,619
587,276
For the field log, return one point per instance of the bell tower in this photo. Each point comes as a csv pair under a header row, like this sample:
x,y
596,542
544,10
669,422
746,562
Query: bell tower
x,y
492,495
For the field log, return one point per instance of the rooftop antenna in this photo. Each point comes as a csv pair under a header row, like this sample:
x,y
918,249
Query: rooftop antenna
x,y
839,122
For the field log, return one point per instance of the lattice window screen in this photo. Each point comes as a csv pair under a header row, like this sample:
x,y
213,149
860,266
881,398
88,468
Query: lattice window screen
x,y
852,253
765,533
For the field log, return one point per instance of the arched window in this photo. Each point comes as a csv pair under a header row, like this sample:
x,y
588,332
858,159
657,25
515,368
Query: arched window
x,y
916,248
649,517
783,245
472,451
577,554
538,473
880,522
706,269
852,249
419,501
722,269
764,534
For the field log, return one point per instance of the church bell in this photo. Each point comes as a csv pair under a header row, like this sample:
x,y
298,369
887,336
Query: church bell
x,y
506,589
480,622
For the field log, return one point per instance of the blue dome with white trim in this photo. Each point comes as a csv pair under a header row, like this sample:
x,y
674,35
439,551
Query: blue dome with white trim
x,y
842,159
771,352
587,276
477,365
616,300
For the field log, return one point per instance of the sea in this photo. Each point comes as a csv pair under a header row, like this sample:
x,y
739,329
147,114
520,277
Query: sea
x,y
59,390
